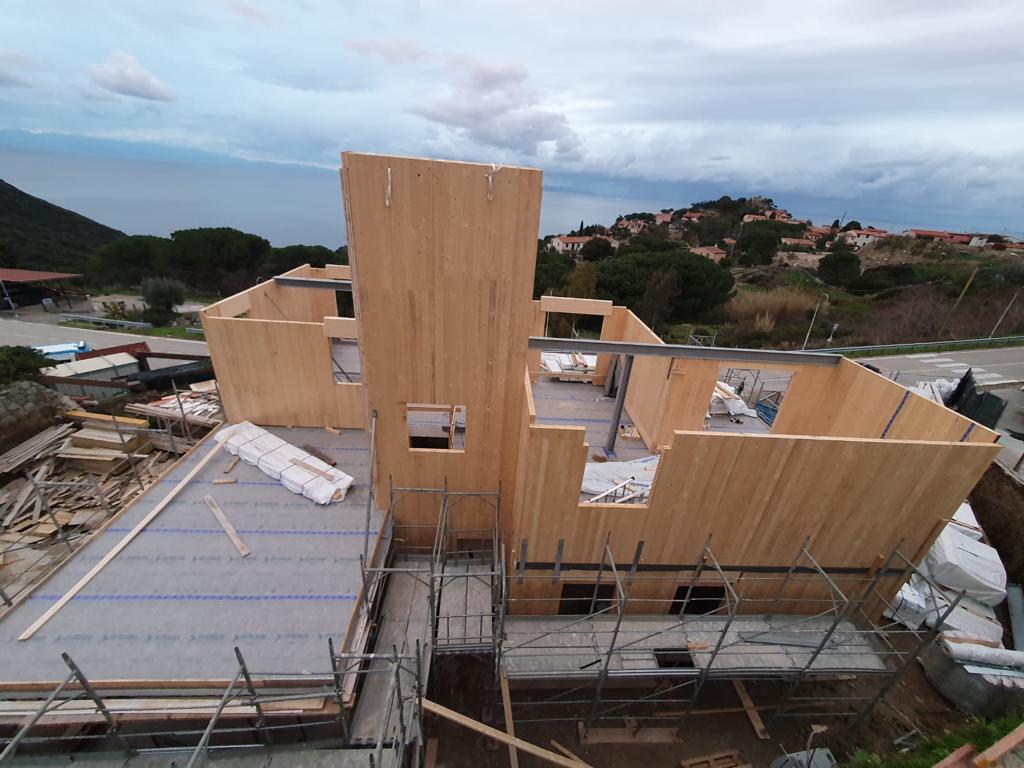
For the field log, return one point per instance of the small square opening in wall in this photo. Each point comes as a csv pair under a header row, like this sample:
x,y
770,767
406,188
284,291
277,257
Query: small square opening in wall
x,y
435,426
673,658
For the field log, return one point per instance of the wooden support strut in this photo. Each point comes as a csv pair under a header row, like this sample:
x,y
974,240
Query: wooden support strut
x,y
128,538
497,735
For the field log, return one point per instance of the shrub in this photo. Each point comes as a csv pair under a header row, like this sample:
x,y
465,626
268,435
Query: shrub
x,y
763,310
18,363
162,294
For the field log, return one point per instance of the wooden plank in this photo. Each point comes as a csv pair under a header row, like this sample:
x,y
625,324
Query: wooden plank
x,y
494,733
732,756
573,306
341,328
569,753
124,542
431,757
225,523
231,464
748,705
124,421
315,452
994,755
225,480
510,726
310,468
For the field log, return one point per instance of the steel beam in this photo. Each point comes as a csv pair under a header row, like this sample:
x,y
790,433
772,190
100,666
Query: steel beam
x,y
314,282
682,351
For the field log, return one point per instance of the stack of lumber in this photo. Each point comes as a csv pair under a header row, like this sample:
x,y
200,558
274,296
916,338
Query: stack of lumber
x,y
72,469
104,445
202,408
33,448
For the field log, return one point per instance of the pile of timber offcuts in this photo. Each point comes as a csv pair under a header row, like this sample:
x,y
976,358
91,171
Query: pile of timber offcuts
x,y
63,483
199,407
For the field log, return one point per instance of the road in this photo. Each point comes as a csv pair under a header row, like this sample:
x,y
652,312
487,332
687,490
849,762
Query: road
x,y
992,367
21,333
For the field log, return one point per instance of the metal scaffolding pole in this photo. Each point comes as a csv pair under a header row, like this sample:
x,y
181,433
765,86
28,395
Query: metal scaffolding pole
x,y
620,402
369,498
204,741
113,729
12,745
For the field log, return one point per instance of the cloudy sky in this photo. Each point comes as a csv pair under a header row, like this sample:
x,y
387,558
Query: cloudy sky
x,y
170,113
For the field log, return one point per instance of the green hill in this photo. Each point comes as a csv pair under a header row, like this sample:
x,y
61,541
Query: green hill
x,y
35,234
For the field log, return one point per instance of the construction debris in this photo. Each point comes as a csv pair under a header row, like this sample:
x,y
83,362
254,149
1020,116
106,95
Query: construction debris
x,y
202,408
65,481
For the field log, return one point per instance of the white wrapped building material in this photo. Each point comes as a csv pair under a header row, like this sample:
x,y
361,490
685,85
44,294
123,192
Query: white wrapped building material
x,y
599,477
238,435
297,470
725,401
966,523
961,563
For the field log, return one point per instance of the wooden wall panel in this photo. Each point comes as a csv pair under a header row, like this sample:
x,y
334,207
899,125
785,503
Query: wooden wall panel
x,y
687,396
537,328
279,373
760,496
648,380
443,282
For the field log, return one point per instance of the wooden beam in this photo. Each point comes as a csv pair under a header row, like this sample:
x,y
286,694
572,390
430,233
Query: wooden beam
x,y
570,754
341,328
431,758
510,726
128,538
494,733
229,529
124,421
994,755
572,306
748,705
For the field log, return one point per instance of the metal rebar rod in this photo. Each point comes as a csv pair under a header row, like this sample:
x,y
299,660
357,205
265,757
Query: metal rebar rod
x,y
12,745
200,749
620,402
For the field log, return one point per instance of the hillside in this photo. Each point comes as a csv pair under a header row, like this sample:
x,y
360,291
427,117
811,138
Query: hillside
x,y
35,234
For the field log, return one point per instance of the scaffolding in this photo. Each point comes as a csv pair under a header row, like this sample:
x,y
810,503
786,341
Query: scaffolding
x,y
802,627
248,715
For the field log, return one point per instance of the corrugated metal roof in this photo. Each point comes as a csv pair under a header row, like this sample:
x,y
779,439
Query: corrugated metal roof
x,y
32,276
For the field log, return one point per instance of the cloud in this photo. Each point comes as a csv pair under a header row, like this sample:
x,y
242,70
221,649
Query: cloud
x,y
248,11
123,74
486,104
12,66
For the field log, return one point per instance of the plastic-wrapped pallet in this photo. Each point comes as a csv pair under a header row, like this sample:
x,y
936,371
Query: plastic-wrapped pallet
x,y
959,562
296,469
252,451
238,435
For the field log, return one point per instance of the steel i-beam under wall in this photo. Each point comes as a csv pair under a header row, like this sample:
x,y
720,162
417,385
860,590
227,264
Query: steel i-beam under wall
x,y
329,284
620,401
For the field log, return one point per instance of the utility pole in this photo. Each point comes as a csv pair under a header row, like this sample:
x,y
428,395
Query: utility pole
x,y
1002,316
823,297
958,300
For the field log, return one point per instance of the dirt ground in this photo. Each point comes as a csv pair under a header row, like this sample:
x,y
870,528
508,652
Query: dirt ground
x,y
912,705
998,503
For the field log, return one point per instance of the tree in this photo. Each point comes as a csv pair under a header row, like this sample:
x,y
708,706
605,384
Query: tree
x,y
703,285
852,224
840,267
20,363
835,224
655,306
551,272
162,295
581,227
760,240
582,283
597,249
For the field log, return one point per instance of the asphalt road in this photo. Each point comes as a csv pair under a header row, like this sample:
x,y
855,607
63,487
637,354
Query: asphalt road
x,y
991,367
21,333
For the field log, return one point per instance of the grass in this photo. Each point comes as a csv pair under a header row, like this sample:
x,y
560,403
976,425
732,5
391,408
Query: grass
x,y
981,733
763,310
170,332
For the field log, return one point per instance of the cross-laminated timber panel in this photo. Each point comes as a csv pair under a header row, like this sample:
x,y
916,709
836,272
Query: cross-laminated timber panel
x,y
278,373
758,496
442,258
